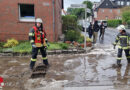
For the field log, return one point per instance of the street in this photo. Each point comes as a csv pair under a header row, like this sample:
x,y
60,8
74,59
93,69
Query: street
x,y
89,71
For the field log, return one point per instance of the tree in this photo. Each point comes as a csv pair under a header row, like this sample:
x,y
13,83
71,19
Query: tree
x,y
89,4
69,23
124,9
125,14
79,12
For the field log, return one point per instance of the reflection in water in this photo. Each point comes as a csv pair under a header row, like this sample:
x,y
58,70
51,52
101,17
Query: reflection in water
x,y
123,79
101,41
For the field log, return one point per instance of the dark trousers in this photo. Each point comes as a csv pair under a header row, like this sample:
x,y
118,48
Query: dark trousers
x,y
120,54
35,52
101,36
34,56
90,35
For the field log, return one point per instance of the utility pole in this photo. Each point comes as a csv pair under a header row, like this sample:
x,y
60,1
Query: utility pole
x,y
85,27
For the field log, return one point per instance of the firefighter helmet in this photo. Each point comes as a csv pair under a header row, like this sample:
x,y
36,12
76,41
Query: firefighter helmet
x,y
39,20
121,27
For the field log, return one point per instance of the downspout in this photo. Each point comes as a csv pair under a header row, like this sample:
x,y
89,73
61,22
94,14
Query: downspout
x,y
53,6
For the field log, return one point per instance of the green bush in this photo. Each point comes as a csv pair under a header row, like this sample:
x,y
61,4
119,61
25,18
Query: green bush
x,y
2,44
69,22
72,35
81,39
114,23
11,43
128,22
64,45
126,16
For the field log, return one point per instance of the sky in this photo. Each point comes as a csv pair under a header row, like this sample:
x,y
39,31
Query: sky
x,y
67,3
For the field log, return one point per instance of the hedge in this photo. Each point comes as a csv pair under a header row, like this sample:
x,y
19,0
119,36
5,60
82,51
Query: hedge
x,y
114,23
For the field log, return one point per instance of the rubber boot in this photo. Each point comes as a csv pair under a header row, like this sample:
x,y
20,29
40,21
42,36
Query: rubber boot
x,y
119,63
32,64
46,62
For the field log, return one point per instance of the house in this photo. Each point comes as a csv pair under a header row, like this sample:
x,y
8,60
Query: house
x,y
18,16
110,9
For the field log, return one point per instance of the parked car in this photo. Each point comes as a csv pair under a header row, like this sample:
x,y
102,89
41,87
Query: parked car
x,y
104,22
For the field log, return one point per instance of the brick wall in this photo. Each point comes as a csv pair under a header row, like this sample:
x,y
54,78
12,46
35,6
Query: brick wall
x,y
58,21
106,12
11,27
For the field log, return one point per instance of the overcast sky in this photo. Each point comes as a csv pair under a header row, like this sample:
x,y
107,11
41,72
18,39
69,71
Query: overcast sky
x,y
67,3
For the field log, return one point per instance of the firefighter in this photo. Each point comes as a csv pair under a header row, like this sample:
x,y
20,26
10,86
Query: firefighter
x,y
123,40
37,38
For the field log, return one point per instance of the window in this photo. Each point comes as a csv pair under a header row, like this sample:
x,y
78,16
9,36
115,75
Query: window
x,y
110,10
26,12
106,4
118,10
118,3
106,17
122,2
102,10
128,3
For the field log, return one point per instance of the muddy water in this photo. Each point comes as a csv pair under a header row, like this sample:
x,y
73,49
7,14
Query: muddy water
x,y
89,71
85,71
16,74
98,69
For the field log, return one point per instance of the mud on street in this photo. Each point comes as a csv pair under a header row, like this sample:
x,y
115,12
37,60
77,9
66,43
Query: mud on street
x,y
89,71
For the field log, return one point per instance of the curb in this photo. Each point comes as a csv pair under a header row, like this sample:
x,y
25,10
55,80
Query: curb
x,y
50,52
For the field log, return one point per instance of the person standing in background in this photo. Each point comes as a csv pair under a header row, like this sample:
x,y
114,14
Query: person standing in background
x,y
90,30
95,33
102,31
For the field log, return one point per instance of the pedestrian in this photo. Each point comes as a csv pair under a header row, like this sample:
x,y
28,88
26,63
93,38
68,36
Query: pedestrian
x,y
102,31
90,30
123,40
37,37
95,33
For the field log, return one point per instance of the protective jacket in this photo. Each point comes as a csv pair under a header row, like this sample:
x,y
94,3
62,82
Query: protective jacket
x,y
37,37
123,40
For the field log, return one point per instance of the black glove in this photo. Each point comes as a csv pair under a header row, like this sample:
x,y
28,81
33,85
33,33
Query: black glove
x,y
114,45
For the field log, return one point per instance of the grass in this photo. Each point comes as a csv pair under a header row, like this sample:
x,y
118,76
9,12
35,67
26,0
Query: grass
x,y
25,47
54,46
22,47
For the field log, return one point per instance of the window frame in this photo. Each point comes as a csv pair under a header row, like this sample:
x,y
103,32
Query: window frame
x,y
22,19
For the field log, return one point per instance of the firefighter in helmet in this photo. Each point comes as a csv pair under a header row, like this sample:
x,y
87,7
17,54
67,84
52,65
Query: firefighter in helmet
x,y
123,40
37,38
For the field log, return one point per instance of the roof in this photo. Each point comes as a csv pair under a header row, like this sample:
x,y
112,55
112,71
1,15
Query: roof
x,y
106,4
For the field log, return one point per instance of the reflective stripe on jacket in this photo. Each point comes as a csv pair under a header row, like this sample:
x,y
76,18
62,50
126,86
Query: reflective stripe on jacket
x,y
123,40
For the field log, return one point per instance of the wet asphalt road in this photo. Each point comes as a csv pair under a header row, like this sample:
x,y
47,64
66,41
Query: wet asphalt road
x,y
98,67
89,71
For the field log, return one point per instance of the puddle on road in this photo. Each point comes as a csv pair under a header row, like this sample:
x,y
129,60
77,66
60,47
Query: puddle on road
x,y
15,71
96,69
92,69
